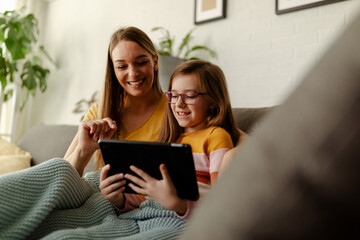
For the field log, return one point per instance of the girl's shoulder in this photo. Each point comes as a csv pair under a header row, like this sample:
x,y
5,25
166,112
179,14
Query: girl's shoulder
x,y
218,138
216,131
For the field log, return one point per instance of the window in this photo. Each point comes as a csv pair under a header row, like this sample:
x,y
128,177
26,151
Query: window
x,y
7,5
5,109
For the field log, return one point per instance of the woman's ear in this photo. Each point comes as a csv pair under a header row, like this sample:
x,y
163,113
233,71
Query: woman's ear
x,y
156,62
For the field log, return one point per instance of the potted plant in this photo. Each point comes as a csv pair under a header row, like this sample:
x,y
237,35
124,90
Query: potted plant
x,y
20,56
170,56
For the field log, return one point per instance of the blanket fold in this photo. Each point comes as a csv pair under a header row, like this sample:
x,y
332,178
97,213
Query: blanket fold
x,y
51,201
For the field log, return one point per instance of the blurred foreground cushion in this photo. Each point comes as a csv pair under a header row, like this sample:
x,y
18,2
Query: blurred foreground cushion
x,y
12,158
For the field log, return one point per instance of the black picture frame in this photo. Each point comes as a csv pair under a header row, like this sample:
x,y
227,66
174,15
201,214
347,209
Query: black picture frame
x,y
215,13
297,5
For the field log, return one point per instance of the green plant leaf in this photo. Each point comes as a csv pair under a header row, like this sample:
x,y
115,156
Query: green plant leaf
x,y
26,98
7,71
18,38
30,27
3,81
185,42
42,49
198,48
2,36
165,45
17,47
2,21
8,95
166,41
11,69
33,76
164,53
3,72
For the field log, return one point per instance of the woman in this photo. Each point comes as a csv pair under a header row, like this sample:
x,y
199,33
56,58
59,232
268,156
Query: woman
x,y
51,200
132,105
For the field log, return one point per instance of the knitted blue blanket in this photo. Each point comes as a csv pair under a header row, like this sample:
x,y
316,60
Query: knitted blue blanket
x,y
51,201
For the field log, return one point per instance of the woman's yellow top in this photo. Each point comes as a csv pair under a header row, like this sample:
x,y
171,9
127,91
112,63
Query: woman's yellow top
x,y
149,131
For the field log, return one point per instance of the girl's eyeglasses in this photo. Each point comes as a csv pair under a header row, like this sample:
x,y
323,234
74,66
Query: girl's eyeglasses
x,y
187,98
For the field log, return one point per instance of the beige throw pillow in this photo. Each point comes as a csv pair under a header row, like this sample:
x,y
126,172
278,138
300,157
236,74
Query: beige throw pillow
x,y
12,158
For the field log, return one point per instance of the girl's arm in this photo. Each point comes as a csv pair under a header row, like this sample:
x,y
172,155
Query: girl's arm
x,y
231,153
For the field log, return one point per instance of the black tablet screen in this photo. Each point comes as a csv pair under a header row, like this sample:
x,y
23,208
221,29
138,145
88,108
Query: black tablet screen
x,y
148,156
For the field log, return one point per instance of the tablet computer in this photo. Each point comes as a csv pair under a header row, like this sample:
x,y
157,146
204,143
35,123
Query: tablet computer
x,y
148,156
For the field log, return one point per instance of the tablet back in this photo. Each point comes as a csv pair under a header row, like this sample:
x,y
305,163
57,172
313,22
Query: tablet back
x,y
148,156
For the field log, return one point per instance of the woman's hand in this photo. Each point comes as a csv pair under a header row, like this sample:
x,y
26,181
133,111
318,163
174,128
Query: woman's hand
x,y
85,142
96,129
91,131
162,191
112,187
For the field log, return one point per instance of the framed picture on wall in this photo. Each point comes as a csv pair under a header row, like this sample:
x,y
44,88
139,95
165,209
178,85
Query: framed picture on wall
x,y
209,10
285,6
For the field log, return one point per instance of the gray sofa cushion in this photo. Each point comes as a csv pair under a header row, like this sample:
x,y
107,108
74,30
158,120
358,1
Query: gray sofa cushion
x,y
47,141
247,119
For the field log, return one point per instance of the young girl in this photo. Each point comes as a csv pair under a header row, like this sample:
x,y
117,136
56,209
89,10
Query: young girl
x,y
199,113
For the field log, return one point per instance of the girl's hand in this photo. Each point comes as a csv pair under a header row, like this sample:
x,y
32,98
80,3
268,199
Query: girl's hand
x,y
162,191
91,131
112,187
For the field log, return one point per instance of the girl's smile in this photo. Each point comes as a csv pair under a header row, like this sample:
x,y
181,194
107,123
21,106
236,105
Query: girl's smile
x,y
182,115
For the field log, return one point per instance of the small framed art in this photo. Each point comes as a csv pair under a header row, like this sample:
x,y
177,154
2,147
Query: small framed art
x,y
209,10
285,6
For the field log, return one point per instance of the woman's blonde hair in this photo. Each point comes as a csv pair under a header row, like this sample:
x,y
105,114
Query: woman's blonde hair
x,y
211,81
113,97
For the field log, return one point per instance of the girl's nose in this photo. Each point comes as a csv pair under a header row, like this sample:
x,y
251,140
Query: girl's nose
x,y
180,101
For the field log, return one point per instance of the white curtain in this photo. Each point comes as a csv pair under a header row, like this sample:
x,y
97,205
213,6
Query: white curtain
x,y
20,123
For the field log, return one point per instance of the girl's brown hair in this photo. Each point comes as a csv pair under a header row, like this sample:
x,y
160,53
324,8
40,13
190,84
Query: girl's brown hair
x,y
113,97
211,81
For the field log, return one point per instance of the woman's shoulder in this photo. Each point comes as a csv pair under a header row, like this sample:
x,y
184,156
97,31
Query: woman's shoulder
x,y
92,113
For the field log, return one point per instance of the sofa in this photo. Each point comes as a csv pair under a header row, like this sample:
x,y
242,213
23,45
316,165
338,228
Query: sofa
x,y
297,177
46,141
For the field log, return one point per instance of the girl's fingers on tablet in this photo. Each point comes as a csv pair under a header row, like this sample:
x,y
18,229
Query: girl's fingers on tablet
x,y
115,186
141,173
164,173
138,190
135,180
114,195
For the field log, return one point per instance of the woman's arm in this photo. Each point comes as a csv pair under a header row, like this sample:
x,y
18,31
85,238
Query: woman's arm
x,y
85,142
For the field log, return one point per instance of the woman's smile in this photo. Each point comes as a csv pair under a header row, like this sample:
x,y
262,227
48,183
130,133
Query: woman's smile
x,y
136,84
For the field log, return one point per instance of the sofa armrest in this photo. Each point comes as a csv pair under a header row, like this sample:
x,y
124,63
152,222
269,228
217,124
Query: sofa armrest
x,y
247,119
44,141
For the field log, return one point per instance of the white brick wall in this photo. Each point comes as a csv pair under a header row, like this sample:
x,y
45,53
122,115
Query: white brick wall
x,y
263,55
271,53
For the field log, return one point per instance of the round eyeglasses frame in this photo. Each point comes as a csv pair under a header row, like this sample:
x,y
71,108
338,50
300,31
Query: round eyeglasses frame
x,y
185,98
